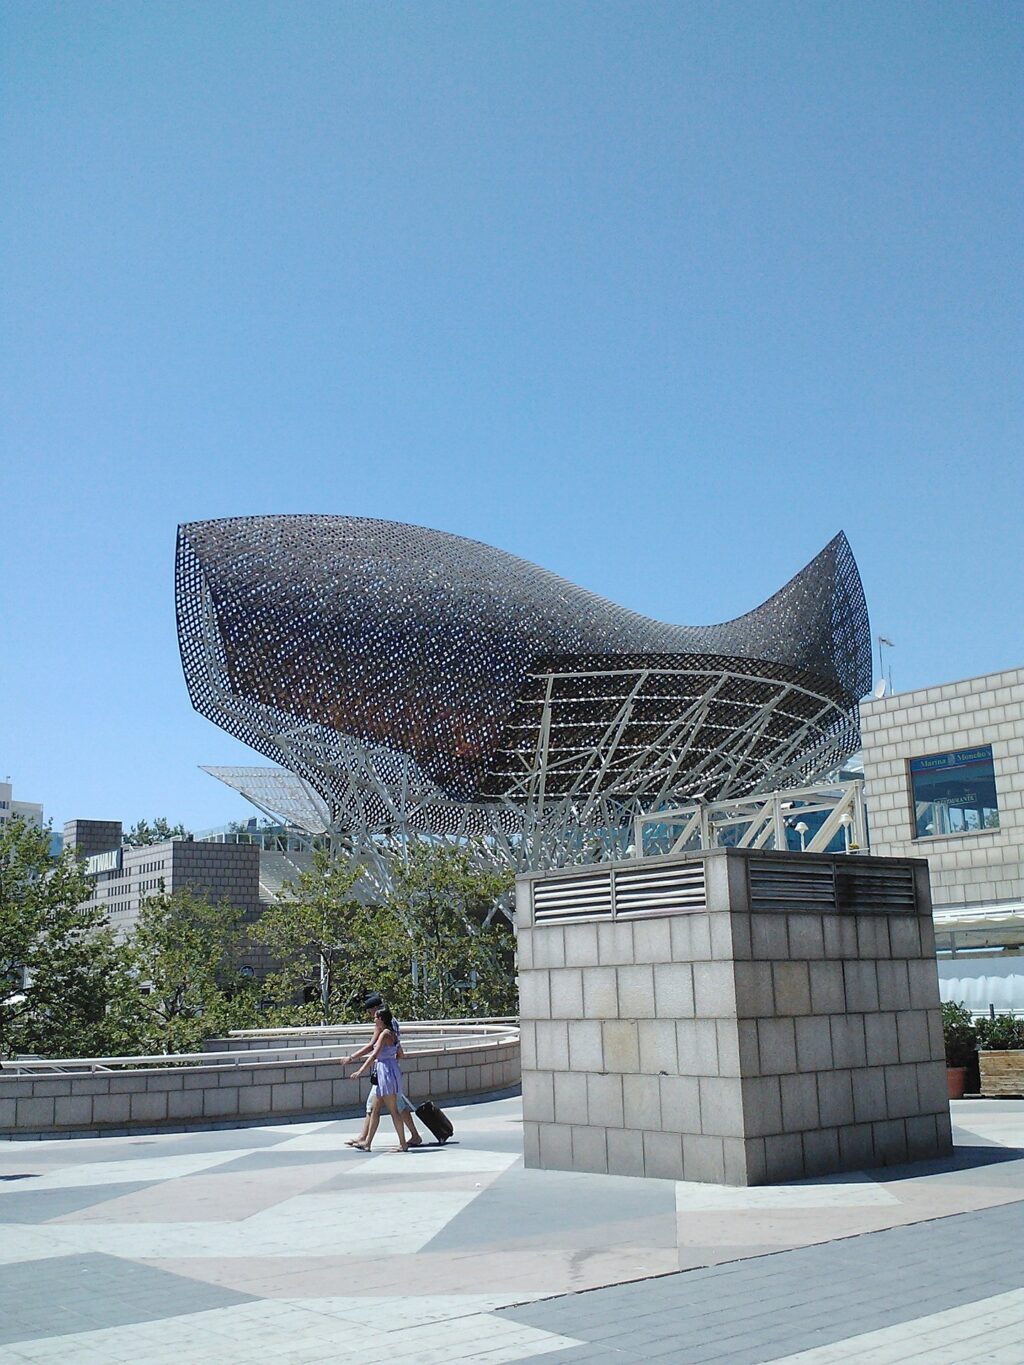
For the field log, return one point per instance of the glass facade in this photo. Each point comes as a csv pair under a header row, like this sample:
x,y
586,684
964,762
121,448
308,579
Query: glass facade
x,y
954,793
272,838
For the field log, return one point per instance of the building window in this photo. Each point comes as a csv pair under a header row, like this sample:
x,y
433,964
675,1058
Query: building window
x,y
954,793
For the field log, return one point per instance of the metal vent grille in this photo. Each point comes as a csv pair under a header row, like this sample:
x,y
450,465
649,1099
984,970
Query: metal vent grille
x,y
569,898
626,893
866,887
658,890
792,886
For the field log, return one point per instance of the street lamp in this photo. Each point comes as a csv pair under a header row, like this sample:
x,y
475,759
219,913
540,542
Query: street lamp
x,y
846,820
801,829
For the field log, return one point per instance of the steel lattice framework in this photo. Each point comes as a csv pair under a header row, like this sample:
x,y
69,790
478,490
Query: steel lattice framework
x,y
417,682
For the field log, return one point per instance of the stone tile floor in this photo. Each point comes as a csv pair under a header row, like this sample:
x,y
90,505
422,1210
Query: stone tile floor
x,y
281,1242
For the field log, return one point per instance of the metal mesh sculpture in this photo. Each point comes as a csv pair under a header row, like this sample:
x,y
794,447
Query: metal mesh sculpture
x,y
415,681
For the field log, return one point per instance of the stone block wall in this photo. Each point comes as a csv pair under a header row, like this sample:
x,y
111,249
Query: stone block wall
x,y
92,836
977,867
770,1032
274,1086
219,872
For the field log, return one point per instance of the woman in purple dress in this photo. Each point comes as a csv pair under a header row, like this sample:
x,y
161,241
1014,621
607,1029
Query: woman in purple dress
x,y
383,1059
406,1108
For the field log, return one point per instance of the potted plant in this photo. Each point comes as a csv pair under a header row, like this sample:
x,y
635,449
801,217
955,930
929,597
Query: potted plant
x,y
961,1038
1001,1057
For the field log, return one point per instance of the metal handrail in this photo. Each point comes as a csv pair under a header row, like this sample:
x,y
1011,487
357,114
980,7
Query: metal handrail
x,y
411,1026
243,1056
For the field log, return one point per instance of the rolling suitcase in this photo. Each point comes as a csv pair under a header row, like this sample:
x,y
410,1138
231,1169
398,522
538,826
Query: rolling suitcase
x,y
436,1120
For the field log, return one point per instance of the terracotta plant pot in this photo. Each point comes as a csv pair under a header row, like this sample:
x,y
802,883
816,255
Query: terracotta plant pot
x,y
956,1079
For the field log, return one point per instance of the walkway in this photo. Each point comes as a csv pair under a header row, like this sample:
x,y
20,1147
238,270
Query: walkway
x,y
281,1243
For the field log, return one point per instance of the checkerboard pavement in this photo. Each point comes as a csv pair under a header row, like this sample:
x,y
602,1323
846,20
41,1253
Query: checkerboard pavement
x,y
279,1240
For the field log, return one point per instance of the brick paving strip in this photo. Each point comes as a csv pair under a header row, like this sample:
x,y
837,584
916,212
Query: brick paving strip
x,y
280,1243
789,1305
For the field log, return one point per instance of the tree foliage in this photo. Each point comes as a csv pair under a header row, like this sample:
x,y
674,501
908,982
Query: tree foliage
x,y
1003,1033
188,957
66,987
142,834
434,948
438,950
69,986
317,932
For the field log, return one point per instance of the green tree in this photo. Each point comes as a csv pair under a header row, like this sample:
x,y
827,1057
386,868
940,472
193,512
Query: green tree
x,y
189,956
66,987
84,996
317,933
439,950
142,834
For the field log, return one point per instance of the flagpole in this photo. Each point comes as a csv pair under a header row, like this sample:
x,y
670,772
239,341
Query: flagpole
x,y
883,640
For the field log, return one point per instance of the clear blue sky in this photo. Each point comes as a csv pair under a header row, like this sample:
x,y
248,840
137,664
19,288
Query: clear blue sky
x,y
659,296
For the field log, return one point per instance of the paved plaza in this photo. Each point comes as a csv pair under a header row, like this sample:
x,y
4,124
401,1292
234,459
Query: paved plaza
x,y
279,1242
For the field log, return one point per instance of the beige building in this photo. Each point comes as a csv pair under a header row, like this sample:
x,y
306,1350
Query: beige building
x,y
30,811
123,878
944,779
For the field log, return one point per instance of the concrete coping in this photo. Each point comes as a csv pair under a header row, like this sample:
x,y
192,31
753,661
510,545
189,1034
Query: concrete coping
x,y
655,861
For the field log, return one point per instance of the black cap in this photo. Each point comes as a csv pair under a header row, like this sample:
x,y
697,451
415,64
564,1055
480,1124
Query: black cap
x,y
372,1001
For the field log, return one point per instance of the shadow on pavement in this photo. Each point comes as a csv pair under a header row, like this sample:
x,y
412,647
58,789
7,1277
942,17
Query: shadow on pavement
x,y
963,1158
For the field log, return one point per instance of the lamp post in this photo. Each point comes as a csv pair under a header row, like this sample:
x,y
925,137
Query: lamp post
x,y
801,829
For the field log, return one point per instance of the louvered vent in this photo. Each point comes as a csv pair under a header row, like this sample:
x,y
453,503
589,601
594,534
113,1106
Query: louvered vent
x,y
659,890
588,896
863,887
791,885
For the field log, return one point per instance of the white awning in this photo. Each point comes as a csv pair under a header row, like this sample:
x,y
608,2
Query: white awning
x,y
996,914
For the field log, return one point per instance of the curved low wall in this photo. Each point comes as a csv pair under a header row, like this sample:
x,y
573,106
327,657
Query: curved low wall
x,y
251,1077
331,1039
